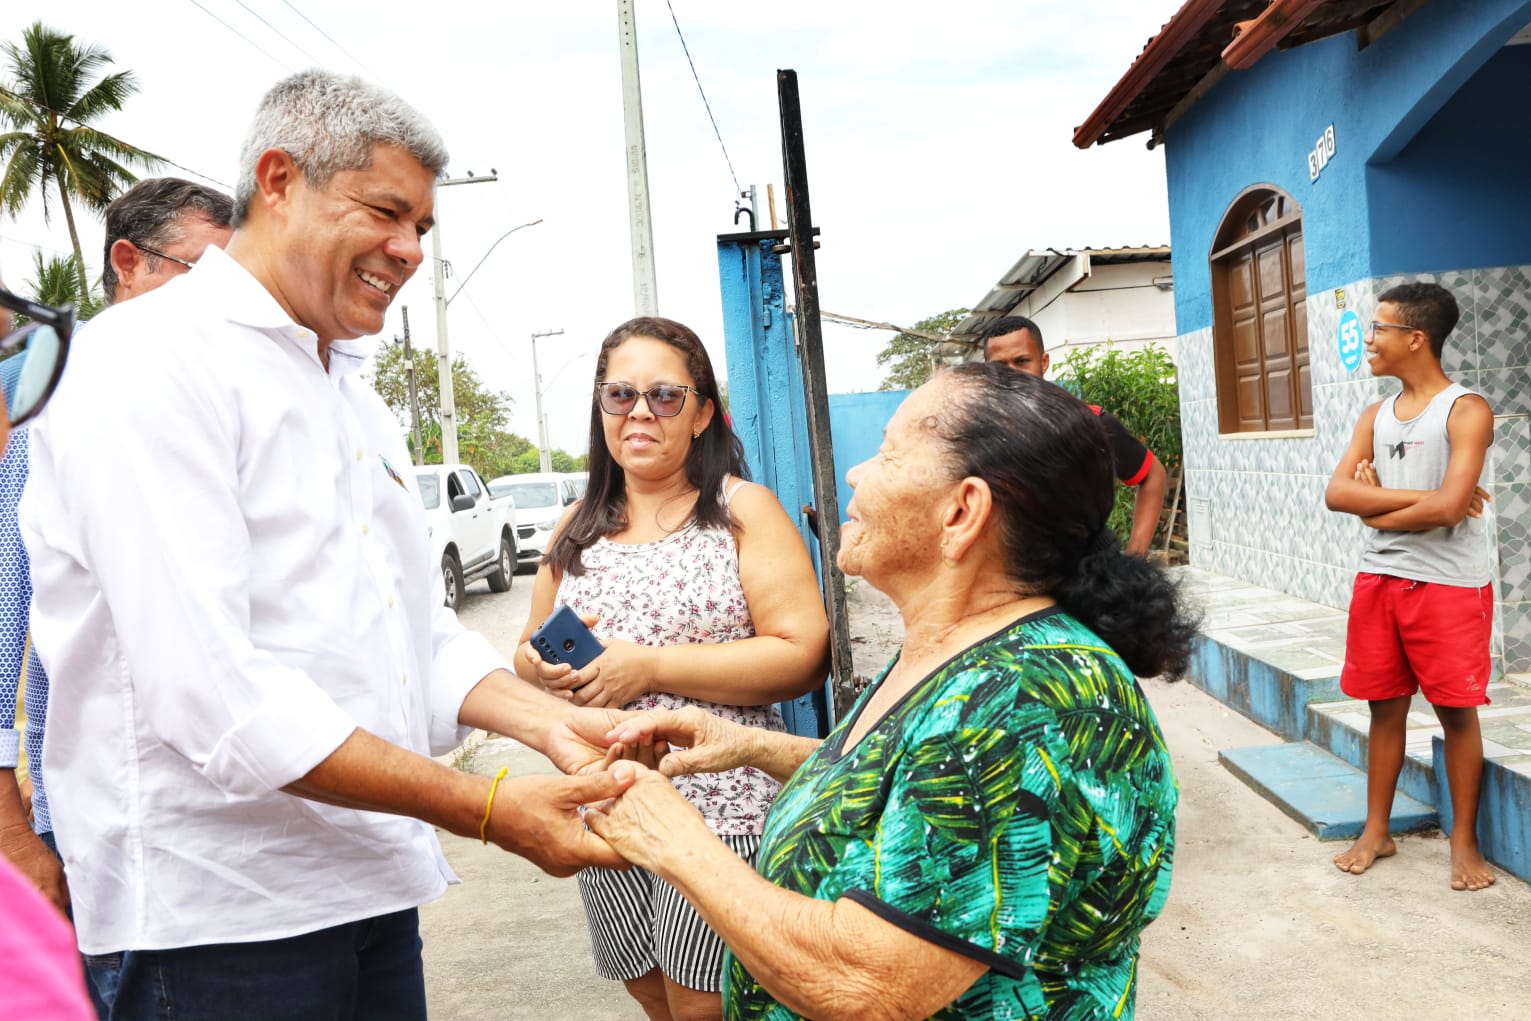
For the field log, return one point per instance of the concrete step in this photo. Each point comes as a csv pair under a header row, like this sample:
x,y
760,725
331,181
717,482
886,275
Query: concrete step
x,y
1277,658
1321,791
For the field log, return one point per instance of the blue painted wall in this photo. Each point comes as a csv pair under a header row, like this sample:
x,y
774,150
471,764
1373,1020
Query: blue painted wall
x,y
1258,126
856,422
1446,201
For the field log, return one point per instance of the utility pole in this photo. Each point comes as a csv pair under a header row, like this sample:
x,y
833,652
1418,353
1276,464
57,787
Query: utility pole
x,y
641,228
544,452
414,395
443,351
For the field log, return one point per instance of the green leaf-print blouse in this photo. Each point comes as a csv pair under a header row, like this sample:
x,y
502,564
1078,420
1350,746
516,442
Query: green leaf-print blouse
x,y
1018,806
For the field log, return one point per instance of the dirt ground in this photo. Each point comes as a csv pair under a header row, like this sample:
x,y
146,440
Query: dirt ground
x,y
1259,924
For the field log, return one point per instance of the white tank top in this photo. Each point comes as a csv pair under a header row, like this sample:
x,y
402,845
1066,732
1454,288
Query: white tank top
x,y
1413,455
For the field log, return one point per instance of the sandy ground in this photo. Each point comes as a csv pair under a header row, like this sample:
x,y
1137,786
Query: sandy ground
x,y
1259,923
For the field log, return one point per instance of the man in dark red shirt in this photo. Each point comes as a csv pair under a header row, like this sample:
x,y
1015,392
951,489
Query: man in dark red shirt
x,y
1017,342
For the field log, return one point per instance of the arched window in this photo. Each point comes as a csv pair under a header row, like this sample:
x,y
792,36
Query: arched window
x,y
1260,315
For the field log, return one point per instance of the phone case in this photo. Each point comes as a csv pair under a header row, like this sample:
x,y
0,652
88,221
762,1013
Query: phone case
x,y
564,638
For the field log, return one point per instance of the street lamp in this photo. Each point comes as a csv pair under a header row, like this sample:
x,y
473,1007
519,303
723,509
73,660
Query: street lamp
x,y
443,350
480,262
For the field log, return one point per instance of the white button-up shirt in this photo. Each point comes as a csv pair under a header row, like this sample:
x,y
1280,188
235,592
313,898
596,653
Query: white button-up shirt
x,y
231,574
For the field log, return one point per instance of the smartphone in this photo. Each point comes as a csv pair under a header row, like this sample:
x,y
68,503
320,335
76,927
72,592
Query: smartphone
x,y
564,638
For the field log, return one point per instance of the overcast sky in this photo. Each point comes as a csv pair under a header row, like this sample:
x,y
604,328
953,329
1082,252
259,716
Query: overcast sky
x,y
938,148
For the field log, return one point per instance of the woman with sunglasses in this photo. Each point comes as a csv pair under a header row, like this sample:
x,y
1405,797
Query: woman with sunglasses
x,y
41,976
702,593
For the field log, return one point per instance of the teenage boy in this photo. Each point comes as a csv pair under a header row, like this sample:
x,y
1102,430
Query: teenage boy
x,y
1422,610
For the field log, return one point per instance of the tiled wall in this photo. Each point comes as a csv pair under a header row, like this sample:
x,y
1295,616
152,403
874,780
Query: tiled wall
x,y
1256,507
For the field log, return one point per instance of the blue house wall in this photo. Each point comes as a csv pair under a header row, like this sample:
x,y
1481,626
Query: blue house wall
x,y
1258,126
1443,202
1426,181
856,422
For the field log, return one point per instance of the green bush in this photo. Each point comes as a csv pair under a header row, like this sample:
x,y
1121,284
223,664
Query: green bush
x,y
1141,389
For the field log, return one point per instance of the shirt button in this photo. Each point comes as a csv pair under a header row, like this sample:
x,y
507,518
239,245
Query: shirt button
x,y
365,529
358,453
403,679
390,602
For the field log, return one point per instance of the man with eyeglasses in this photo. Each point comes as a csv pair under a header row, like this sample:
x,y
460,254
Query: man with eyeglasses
x,y
237,581
157,230
1422,609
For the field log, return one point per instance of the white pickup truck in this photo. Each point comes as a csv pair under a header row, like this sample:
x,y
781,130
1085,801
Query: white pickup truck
x,y
473,532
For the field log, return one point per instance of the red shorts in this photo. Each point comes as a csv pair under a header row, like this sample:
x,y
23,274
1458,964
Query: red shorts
x,y
1404,636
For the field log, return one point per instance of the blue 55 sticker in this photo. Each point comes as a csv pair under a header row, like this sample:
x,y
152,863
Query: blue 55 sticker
x,y
1350,340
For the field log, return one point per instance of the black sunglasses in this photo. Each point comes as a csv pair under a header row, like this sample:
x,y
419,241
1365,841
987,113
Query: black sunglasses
x,y
664,399
32,358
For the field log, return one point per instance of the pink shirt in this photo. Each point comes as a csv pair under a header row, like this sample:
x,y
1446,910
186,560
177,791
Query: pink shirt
x,y
41,976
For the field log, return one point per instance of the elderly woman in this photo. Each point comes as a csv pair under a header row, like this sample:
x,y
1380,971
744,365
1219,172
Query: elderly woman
x,y
702,594
990,828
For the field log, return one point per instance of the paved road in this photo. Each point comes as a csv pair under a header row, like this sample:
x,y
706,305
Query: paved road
x,y
510,943
1259,924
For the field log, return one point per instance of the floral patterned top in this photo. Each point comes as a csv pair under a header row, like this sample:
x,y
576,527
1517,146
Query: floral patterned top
x,y
682,589
1017,806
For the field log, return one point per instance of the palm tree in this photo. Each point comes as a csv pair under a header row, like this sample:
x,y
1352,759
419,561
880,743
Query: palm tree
x,y
55,281
49,100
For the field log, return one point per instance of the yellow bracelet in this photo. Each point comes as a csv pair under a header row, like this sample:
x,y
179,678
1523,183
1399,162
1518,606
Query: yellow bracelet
x,y
483,827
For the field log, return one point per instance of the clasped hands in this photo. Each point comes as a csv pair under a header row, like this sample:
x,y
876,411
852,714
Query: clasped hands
x,y
649,819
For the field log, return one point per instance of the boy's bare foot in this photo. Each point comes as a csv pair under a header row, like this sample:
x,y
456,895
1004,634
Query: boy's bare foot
x,y
1469,871
1360,855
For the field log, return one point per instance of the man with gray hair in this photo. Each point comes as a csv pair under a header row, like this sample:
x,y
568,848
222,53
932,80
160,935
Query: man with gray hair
x,y
157,229
237,583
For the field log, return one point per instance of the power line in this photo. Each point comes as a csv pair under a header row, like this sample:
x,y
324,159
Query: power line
x,y
237,32
503,346
278,31
34,244
111,138
331,38
703,91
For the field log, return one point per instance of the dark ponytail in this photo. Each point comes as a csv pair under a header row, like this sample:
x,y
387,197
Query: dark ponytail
x,y
1132,605
1045,458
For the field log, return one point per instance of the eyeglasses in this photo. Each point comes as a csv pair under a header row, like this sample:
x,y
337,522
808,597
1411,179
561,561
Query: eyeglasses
x,y
173,258
1374,326
665,399
32,358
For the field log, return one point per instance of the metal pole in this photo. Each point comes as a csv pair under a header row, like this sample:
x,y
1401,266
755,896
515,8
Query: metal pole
x,y
443,357
443,350
414,394
641,228
805,280
544,453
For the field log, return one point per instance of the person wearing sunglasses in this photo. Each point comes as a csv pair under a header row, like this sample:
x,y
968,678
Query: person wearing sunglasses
x,y
31,364
702,593
989,829
157,230
41,976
